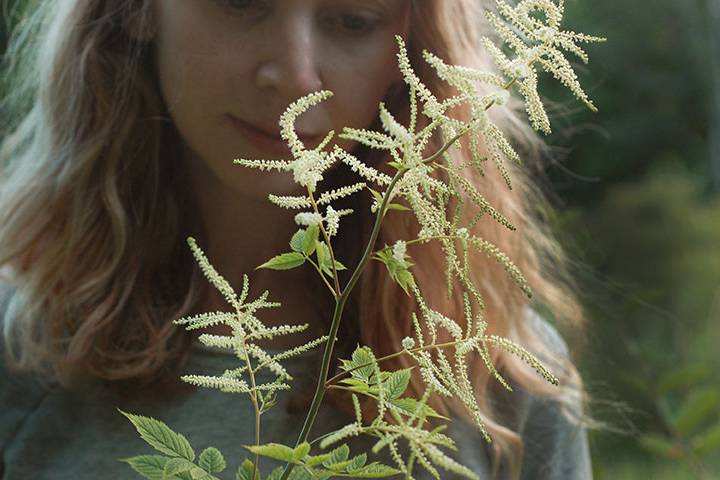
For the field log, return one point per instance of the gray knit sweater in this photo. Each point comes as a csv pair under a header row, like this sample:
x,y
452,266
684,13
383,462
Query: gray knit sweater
x,y
48,433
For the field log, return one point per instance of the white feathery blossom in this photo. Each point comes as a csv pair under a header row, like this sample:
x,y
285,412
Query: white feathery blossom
x,y
408,343
308,218
290,202
245,327
399,250
546,54
332,217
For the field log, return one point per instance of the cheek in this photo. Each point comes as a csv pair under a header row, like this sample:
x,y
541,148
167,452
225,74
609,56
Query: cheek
x,y
361,86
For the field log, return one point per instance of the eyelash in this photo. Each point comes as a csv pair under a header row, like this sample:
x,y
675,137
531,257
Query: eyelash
x,y
369,24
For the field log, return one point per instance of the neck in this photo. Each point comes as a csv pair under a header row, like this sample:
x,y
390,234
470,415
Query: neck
x,y
242,232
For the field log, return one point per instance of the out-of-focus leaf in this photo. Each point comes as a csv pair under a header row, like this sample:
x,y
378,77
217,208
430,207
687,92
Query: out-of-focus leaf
x,y
682,378
660,446
707,441
699,405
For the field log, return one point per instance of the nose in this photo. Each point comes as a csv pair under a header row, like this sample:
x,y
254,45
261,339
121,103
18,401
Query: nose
x,y
288,65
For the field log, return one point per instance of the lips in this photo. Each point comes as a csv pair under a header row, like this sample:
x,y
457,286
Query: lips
x,y
263,138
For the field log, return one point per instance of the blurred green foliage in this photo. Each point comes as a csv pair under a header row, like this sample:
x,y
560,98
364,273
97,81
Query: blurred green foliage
x,y
654,309
641,210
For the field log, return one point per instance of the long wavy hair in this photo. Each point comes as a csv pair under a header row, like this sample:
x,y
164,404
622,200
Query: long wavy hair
x,y
93,241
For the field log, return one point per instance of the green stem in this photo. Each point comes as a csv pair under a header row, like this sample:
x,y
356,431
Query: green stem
x,y
337,315
253,399
336,291
322,275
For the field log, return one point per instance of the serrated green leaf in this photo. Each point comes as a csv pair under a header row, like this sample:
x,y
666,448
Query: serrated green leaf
x,y
176,466
316,459
405,279
275,474
309,242
659,446
706,441
397,383
338,467
361,357
410,405
699,405
212,460
300,474
149,466
375,470
245,471
277,451
197,473
285,261
339,266
297,240
300,451
161,437
337,455
682,378
357,462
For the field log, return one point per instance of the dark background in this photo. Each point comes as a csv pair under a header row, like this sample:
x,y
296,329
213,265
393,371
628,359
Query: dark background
x,y
638,186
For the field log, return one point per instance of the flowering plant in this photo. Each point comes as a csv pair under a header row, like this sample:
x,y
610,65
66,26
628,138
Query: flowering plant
x,y
533,43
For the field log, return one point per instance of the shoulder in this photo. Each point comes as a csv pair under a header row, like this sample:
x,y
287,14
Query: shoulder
x,y
20,393
555,440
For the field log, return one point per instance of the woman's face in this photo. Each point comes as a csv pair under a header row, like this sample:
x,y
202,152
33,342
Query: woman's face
x,y
227,70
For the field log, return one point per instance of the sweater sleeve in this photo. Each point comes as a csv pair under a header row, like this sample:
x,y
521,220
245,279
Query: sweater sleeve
x,y
20,393
556,444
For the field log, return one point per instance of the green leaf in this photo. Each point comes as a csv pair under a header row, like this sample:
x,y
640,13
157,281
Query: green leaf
x,y
309,242
397,382
337,455
376,194
355,383
161,437
300,474
375,470
197,473
357,462
175,466
149,466
297,241
245,471
706,441
316,459
276,473
682,378
659,446
699,405
212,460
397,206
410,405
397,165
322,252
300,451
360,357
285,261
405,279
339,266
277,451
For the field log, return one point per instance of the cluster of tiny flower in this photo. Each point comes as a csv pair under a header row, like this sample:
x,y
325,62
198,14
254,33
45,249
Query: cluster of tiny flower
x,y
399,250
332,219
